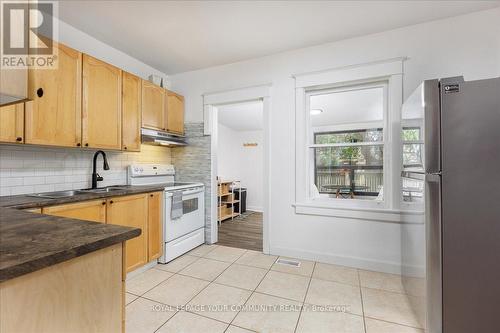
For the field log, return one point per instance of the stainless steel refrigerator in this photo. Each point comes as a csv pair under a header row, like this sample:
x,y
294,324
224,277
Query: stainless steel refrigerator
x,y
451,157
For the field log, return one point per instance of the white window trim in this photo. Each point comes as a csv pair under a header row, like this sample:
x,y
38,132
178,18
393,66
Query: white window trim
x,y
390,71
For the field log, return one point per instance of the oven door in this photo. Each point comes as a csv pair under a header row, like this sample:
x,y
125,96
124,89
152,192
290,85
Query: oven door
x,y
193,217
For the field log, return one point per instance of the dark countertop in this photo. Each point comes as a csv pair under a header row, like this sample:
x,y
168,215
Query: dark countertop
x,y
27,201
31,241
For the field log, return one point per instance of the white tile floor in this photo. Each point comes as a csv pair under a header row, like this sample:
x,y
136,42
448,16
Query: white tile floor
x,y
221,289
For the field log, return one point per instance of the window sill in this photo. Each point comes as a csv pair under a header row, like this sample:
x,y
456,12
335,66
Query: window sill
x,y
368,214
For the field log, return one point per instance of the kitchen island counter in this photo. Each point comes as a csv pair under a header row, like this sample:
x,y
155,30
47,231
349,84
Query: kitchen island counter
x,y
30,242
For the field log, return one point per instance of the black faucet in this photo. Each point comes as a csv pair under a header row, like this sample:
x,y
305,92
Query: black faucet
x,y
95,176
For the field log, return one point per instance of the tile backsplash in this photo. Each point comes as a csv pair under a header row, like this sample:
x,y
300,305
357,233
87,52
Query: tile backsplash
x,y
30,169
193,164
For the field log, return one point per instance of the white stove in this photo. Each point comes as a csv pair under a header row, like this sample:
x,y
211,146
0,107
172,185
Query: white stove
x,y
184,208
154,174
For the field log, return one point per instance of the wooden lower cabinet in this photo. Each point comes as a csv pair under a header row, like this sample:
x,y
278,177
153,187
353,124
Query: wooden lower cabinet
x,y
84,294
144,211
12,123
88,210
131,211
155,230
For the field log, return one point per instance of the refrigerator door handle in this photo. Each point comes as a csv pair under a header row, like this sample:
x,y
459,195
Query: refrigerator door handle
x,y
433,177
417,175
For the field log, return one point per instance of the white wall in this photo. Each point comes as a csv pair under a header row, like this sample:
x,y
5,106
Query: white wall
x,y
85,43
236,162
467,45
30,169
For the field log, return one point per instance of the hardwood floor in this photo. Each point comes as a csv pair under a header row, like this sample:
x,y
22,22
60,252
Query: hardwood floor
x,y
244,232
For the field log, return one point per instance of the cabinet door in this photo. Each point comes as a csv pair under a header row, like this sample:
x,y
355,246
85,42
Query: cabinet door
x,y
14,82
12,123
175,113
102,99
131,112
155,222
88,210
131,211
153,106
55,116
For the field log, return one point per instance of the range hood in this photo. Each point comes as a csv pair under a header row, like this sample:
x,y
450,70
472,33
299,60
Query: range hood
x,y
160,138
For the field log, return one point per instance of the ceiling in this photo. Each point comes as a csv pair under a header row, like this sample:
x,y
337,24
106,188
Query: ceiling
x,y
241,117
179,36
348,107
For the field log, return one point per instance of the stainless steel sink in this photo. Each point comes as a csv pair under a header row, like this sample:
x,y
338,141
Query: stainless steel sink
x,y
105,189
119,187
72,193
57,194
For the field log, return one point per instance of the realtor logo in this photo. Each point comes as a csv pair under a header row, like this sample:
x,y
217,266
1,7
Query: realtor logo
x,y
28,30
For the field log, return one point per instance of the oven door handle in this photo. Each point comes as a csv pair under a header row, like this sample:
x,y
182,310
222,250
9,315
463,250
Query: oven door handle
x,y
195,191
189,192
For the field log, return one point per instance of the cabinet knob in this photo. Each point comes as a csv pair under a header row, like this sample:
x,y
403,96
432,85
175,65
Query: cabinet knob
x,y
78,144
19,139
151,195
125,147
39,92
86,145
104,202
111,201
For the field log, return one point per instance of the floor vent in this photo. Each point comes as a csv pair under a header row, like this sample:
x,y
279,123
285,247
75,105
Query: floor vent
x,y
288,262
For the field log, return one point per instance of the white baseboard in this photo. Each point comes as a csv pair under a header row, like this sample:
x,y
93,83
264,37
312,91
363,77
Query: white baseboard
x,y
255,209
362,263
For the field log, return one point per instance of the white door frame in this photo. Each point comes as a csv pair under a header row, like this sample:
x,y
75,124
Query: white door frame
x,y
210,103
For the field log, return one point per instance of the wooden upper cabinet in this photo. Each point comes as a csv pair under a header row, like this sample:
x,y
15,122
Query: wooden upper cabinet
x,y
153,106
88,210
14,83
102,99
131,211
12,123
175,113
131,112
155,232
55,116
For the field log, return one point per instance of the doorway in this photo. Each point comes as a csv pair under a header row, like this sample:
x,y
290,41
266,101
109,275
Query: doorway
x,y
240,174
256,218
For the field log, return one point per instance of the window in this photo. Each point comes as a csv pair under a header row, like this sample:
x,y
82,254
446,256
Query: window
x,y
346,128
412,147
348,141
412,189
